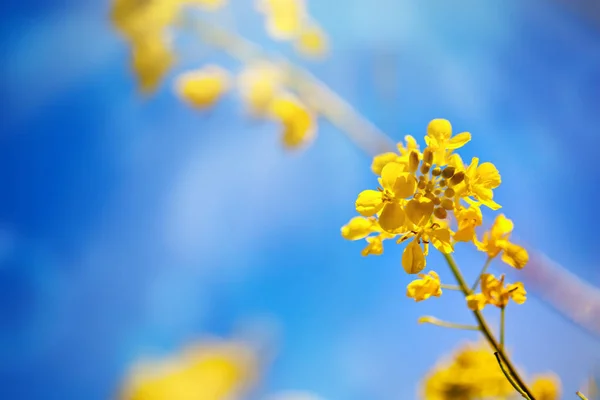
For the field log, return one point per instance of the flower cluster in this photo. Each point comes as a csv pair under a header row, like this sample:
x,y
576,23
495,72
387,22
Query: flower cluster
x,y
264,86
213,370
472,373
420,194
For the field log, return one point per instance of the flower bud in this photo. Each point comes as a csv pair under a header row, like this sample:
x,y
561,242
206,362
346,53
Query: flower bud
x,y
448,172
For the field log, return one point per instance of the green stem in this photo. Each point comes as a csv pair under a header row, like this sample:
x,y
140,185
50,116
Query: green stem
x,y
445,324
451,287
483,271
508,377
485,329
581,395
502,326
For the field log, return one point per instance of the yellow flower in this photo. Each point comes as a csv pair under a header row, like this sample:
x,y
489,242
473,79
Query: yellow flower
x,y
311,41
479,182
440,140
413,258
202,88
497,240
425,287
359,228
401,157
476,301
259,84
471,373
546,387
496,293
396,186
468,219
285,18
152,59
135,18
297,121
211,371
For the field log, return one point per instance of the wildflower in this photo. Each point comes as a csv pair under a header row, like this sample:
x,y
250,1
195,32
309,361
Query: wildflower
x,y
401,157
495,292
468,219
413,258
211,371
358,228
285,18
546,387
311,41
471,373
151,60
202,88
425,287
136,19
259,84
297,121
396,186
440,140
496,240
480,180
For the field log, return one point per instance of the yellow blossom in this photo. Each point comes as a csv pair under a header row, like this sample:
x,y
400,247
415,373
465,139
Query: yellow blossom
x,y
468,219
202,88
439,138
480,180
413,258
358,228
495,292
497,240
297,121
259,84
311,41
211,371
425,287
136,19
401,157
471,373
546,387
151,60
285,18
396,186
375,244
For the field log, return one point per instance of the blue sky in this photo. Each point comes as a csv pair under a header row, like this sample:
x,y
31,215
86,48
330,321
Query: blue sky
x,y
132,226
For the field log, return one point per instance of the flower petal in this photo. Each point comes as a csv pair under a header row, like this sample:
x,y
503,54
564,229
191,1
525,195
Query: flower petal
x,y
458,141
357,228
389,174
392,217
369,202
413,259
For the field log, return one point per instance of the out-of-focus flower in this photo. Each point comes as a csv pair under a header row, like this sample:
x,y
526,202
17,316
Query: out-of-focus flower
x,y
298,122
151,60
259,84
426,286
209,371
285,18
138,18
206,4
471,373
202,88
495,292
312,41
546,387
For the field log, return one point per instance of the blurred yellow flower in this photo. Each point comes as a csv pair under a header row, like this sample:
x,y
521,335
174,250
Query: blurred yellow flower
x,y
285,18
259,84
210,371
471,373
312,41
206,4
298,122
138,18
428,285
546,387
202,88
151,60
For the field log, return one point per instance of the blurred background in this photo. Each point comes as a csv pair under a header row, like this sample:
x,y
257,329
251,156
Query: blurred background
x,y
133,225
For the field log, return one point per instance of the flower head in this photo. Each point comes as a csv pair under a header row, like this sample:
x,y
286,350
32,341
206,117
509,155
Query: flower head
x,y
496,240
495,292
425,287
546,387
202,88
298,121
